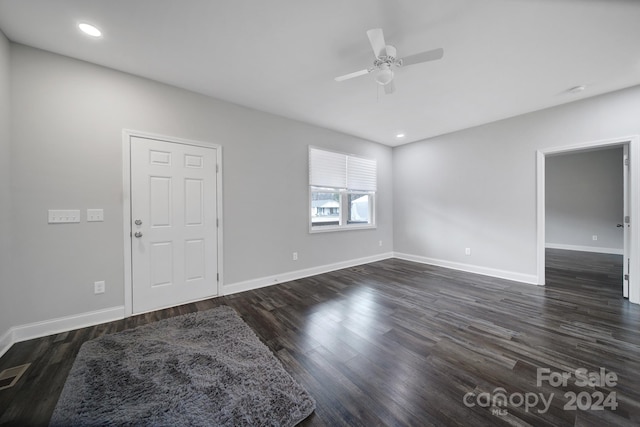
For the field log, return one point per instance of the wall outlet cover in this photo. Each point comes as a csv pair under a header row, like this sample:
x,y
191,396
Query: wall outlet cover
x,y
99,287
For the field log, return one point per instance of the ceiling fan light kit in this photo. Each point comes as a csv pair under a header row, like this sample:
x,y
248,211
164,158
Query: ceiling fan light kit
x,y
385,75
386,60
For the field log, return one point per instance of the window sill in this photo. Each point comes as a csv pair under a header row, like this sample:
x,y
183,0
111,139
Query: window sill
x,y
330,228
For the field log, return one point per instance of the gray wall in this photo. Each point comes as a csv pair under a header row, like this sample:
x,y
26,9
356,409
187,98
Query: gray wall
x,y
477,188
5,188
584,197
68,119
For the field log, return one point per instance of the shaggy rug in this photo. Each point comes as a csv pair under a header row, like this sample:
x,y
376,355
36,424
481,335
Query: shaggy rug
x,y
201,369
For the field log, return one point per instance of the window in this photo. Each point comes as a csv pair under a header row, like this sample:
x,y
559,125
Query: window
x,y
342,191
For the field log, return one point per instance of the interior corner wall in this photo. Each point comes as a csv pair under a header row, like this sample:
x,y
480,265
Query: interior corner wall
x,y
68,117
476,188
584,198
6,307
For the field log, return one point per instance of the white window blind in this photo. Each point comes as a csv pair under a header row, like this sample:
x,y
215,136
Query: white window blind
x,y
361,174
327,169
337,170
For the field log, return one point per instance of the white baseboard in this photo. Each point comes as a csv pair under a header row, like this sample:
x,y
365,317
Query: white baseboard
x,y
55,326
595,249
6,341
48,327
82,320
530,279
299,274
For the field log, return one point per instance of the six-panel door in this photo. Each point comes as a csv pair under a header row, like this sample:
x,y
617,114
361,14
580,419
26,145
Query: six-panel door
x,y
174,232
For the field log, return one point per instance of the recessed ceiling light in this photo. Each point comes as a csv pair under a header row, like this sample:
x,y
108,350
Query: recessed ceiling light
x,y
400,135
89,29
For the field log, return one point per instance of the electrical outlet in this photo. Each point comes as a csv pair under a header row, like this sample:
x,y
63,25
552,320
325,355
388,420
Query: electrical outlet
x,y
295,256
467,251
98,287
594,237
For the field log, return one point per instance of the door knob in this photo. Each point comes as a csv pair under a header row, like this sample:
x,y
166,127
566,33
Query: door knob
x,y
138,234
619,225
138,222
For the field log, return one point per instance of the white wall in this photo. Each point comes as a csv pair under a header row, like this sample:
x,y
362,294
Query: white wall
x,y
68,119
477,188
584,197
5,188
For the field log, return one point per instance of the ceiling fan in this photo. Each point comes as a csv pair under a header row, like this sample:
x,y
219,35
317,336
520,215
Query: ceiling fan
x,y
386,60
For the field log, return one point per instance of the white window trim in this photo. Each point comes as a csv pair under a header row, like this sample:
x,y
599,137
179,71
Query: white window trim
x,y
344,203
344,212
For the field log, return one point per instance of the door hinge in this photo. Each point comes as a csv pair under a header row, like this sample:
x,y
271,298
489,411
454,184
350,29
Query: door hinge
x,y
217,168
218,277
627,219
626,162
626,277
217,222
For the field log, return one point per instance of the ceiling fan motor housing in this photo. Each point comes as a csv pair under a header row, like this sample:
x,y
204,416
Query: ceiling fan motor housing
x,y
391,51
384,64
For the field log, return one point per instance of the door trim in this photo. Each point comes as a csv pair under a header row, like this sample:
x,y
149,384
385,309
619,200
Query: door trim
x,y
634,203
127,134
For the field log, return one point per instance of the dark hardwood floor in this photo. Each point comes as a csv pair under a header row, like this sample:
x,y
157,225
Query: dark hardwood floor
x,y
400,343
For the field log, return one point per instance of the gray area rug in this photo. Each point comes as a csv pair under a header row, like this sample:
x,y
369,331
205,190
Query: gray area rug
x,y
201,369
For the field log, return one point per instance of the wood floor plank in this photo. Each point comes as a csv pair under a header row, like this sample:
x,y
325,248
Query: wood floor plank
x,y
401,343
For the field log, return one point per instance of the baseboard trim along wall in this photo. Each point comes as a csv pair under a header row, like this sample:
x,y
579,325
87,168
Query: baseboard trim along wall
x,y
530,279
6,341
598,250
63,324
299,274
55,326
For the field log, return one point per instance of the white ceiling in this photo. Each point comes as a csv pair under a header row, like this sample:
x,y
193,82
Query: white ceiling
x,y
502,57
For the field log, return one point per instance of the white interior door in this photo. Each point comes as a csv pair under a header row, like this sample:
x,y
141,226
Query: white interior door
x,y
626,223
174,231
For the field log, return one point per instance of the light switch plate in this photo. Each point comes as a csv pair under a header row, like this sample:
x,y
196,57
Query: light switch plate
x,y
64,216
95,215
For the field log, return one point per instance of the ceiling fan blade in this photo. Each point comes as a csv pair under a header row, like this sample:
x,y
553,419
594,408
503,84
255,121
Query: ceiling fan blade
x,y
352,75
376,38
430,55
390,87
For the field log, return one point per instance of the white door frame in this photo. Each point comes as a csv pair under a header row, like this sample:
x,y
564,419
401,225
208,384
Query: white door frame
x,y
626,228
634,203
127,134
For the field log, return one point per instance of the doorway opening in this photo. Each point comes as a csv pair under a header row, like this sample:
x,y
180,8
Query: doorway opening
x,y
630,283
584,235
